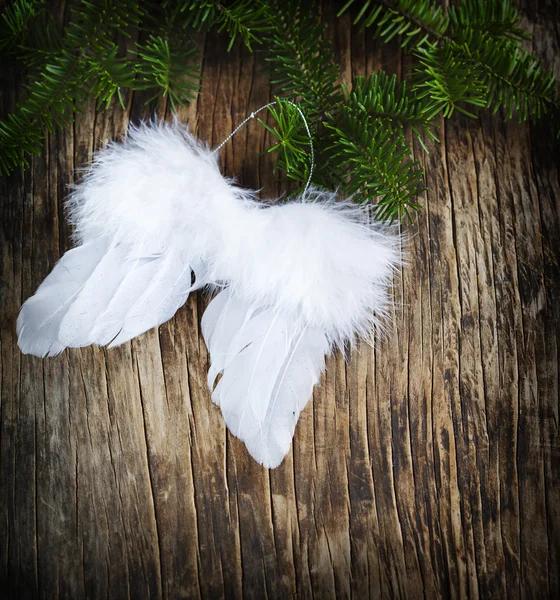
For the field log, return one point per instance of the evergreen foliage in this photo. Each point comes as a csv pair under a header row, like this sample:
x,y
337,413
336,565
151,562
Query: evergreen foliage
x,y
239,18
465,58
94,56
471,55
358,133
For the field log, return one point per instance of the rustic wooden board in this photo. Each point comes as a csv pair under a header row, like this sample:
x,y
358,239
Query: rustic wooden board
x,y
429,467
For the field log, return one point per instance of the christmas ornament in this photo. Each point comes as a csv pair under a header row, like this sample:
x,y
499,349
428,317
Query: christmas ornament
x,y
155,219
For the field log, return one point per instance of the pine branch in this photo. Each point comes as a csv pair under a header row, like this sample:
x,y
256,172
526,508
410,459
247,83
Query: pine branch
x,y
93,21
292,146
362,147
110,74
87,64
467,56
50,102
242,18
64,81
498,19
369,165
369,156
447,82
16,22
472,48
513,78
28,34
359,134
301,58
168,68
394,103
414,21
418,21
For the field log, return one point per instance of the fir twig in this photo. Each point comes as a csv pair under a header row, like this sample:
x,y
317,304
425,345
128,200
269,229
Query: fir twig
x,y
466,57
369,156
359,133
168,69
241,18
471,55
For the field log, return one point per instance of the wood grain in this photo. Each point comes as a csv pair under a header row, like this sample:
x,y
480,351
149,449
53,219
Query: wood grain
x,y
428,467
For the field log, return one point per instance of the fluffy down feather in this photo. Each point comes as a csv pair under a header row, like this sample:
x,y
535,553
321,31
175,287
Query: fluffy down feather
x,y
315,259
158,189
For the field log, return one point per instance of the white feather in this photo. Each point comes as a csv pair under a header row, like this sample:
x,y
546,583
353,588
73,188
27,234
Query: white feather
x,y
159,189
308,276
269,368
222,319
164,293
110,322
316,259
104,296
40,316
77,324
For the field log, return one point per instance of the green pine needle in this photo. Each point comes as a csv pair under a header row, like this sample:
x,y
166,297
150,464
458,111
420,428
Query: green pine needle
x,y
168,68
242,18
292,145
471,55
465,58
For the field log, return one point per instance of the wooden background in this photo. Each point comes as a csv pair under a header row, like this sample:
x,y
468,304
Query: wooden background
x,y
429,467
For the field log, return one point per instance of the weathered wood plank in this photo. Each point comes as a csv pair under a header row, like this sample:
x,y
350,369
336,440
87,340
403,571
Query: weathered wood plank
x,y
428,467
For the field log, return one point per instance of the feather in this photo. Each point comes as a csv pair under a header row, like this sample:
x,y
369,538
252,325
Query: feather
x,y
159,189
269,367
40,316
76,326
164,293
315,259
110,322
222,319
103,298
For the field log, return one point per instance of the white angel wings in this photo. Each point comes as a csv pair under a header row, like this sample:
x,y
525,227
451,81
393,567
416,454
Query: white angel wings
x,y
155,220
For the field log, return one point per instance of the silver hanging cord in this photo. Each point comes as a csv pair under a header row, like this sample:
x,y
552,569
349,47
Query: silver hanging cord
x,y
255,113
